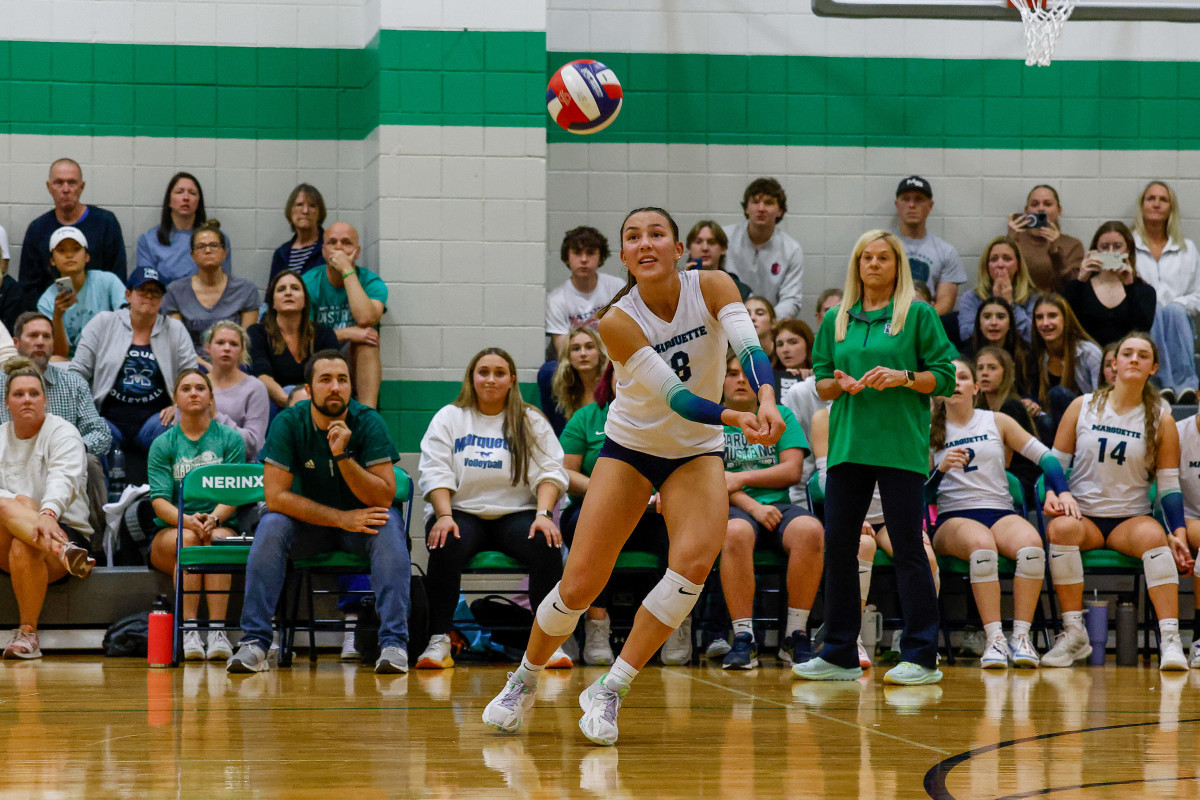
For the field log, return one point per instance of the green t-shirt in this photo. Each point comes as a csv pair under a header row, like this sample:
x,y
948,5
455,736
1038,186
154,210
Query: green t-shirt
x,y
330,306
173,456
888,428
294,443
584,436
741,456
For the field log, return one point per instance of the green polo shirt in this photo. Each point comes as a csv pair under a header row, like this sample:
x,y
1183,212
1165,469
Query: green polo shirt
x,y
296,444
888,428
173,455
584,436
741,456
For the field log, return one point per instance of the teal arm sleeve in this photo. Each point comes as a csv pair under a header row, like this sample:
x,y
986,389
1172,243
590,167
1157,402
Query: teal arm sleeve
x,y
648,368
744,340
1056,479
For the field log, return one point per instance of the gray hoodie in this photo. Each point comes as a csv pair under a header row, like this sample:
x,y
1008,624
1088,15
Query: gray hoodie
x,y
104,344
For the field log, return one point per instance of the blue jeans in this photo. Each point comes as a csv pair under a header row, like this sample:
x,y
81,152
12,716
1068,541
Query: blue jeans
x,y
152,428
1173,333
276,540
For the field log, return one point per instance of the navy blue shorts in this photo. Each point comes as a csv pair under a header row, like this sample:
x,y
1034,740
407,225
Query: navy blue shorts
x,y
653,468
1106,524
987,517
764,537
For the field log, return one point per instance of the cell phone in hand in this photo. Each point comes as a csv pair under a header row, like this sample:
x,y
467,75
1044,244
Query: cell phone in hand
x,y
1112,262
1035,220
64,285
695,263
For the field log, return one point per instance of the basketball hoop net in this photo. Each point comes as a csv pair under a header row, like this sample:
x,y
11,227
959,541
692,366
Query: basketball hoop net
x,y
1044,20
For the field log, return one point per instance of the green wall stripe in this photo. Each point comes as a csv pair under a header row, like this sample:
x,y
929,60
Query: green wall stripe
x,y
407,407
897,102
401,78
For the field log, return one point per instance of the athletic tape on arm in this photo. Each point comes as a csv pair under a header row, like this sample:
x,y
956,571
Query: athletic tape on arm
x,y
648,369
739,329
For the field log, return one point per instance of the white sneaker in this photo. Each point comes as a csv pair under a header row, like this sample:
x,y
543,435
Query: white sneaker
x,y
193,646
559,660
507,709
996,655
1071,645
1195,662
436,654
219,648
677,651
597,647
349,651
1170,654
600,706
1024,654
717,648
864,658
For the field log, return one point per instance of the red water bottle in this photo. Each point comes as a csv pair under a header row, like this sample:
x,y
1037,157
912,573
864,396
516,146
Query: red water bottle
x,y
160,643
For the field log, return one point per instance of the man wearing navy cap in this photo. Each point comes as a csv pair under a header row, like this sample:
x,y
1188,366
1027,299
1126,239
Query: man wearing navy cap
x,y
934,261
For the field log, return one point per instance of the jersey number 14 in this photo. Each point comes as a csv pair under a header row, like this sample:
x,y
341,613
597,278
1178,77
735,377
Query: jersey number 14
x,y
1117,454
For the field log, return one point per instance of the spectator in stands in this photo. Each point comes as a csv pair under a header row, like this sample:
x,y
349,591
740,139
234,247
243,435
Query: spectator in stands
x,y
769,261
1002,273
282,343
491,473
1052,257
209,295
11,298
1171,264
1109,372
762,314
581,363
101,228
934,261
350,299
129,358
792,359
575,302
91,292
581,442
44,529
170,247
329,483
1111,303
241,400
305,214
995,325
996,378
707,244
1065,359
760,516
195,440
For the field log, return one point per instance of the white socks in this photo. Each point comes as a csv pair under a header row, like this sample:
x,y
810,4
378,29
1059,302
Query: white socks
x,y
992,629
797,620
1021,628
528,673
743,625
621,672
1073,620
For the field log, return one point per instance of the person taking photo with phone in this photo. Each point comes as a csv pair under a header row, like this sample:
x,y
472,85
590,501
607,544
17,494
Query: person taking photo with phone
x,y
1052,257
79,294
1108,296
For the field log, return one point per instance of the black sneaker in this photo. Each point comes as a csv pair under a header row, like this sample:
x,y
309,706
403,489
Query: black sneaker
x,y
796,649
743,654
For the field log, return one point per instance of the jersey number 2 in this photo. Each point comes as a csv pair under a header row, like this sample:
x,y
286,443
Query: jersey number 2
x,y
679,363
1117,454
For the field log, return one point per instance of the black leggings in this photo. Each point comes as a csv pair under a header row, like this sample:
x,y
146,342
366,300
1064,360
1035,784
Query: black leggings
x,y
847,495
649,536
508,534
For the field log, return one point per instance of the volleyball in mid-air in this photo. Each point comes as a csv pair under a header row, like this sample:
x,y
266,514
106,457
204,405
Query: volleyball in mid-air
x,y
584,96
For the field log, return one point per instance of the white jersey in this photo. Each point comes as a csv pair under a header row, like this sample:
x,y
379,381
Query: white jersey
x,y
1189,467
982,483
1110,476
693,344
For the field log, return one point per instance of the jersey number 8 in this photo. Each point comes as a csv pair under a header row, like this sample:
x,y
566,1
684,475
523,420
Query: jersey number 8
x,y
679,363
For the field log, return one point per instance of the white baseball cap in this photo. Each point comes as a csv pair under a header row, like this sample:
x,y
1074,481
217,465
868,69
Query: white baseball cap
x,y
68,232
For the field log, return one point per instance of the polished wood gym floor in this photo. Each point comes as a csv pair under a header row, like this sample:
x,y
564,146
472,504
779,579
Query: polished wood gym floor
x,y
89,727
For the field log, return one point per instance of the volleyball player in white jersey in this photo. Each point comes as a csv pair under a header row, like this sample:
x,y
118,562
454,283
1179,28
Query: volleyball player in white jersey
x,y
1189,482
666,333
1122,438
976,520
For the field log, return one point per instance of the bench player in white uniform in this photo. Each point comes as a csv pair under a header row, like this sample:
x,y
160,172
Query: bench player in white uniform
x,y
1117,453
667,334
1189,482
976,521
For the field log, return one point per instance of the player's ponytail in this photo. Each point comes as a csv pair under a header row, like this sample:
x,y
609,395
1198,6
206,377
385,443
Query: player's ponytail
x,y
630,281
937,425
1152,407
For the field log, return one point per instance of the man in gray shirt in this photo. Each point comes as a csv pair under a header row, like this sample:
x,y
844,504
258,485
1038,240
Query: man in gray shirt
x,y
765,258
934,261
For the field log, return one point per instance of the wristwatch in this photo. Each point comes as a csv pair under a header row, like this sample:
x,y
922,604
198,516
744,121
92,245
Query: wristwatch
x,y
910,379
546,514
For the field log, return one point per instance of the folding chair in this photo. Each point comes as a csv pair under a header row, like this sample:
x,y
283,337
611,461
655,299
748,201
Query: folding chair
x,y
231,484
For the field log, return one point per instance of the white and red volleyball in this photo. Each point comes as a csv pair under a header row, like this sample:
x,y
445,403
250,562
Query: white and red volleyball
x,y
584,96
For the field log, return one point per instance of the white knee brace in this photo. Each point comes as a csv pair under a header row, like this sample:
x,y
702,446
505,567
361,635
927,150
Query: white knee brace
x,y
1031,563
985,566
864,579
553,616
1159,566
672,599
1066,565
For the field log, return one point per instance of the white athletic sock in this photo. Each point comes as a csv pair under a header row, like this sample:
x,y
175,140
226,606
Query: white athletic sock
x,y
529,673
620,672
743,625
864,579
1166,626
1020,627
797,620
992,629
1073,620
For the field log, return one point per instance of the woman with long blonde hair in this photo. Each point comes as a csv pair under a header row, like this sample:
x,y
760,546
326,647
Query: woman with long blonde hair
x,y
1002,273
581,363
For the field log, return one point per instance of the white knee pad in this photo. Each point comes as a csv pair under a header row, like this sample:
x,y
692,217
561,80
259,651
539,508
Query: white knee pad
x,y
553,616
1159,566
1031,563
985,566
672,599
864,579
1066,565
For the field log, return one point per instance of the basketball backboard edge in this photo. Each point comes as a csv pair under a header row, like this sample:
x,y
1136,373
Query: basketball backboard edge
x,y
1163,10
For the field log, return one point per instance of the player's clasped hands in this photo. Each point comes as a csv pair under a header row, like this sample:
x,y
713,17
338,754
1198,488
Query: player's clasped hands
x,y
757,429
1061,505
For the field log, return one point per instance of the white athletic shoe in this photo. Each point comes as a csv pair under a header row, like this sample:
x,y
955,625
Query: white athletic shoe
x,y
560,660
1071,645
1170,654
717,648
597,647
507,710
600,706
219,648
1195,662
436,654
864,658
997,654
1024,654
193,646
349,650
677,651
